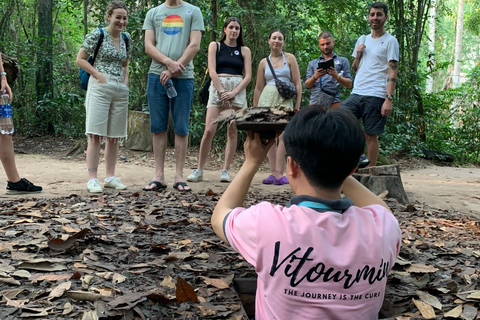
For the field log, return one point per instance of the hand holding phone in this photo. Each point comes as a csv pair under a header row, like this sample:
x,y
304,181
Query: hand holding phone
x,y
325,65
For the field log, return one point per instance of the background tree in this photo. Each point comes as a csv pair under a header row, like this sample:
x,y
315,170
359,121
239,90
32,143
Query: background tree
x,y
458,44
420,120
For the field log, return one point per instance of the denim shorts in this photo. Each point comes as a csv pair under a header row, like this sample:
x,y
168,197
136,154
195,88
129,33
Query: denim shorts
x,y
369,109
159,105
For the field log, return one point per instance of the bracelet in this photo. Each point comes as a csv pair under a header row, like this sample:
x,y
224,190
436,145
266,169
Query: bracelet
x,y
338,77
222,92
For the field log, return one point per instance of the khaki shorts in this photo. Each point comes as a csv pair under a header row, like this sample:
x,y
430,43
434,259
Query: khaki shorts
x,y
270,98
229,83
106,106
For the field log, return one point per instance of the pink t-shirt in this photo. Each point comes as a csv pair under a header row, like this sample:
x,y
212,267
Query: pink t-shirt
x,y
316,265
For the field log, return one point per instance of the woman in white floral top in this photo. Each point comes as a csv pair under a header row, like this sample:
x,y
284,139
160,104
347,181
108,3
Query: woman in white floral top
x,y
106,102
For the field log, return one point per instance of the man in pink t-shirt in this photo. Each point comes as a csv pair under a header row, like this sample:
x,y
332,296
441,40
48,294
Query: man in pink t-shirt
x,y
320,256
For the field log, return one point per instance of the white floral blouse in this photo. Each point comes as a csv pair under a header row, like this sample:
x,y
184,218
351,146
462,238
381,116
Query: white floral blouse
x,y
109,60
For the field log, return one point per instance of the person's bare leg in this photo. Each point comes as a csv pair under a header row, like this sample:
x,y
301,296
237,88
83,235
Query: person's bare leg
x,y
280,164
208,134
231,147
93,156
7,156
180,156
372,148
159,150
272,159
111,154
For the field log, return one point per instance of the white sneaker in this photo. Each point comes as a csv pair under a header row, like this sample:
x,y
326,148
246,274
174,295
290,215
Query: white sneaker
x,y
195,176
93,186
224,176
114,183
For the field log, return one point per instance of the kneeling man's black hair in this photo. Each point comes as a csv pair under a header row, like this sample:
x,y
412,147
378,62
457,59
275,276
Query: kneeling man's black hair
x,y
326,144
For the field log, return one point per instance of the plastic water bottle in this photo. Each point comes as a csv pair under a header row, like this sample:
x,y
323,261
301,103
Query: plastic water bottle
x,y
6,122
171,92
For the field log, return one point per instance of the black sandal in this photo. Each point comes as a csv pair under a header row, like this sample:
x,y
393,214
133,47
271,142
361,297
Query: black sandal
x,y
157,187
183,185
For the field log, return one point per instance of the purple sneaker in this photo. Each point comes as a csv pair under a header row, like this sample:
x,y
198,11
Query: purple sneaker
x,y
283,180
270,180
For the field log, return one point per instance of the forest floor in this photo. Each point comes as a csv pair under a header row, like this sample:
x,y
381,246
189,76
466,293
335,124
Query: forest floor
x,y
68,254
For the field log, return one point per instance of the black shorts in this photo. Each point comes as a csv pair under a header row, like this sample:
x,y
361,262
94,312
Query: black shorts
x,y
369,109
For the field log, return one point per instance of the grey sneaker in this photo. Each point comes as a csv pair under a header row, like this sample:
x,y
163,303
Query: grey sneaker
x,y
195,176
224,176
114,183
93,186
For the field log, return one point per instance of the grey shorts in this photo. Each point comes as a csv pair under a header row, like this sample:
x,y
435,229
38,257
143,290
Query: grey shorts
x,y
369,109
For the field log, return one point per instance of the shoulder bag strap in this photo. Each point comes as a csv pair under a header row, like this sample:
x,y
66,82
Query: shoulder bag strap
x,y
364,37
125,38
99,44
271,68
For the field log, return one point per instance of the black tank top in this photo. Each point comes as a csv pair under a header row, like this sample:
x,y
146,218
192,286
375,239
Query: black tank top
x,y
230,60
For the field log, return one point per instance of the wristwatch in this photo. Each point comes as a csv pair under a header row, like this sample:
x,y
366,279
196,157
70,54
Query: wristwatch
x,y
389,96
3,74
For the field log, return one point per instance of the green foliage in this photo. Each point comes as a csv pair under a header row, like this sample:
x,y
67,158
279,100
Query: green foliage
x,y
450,117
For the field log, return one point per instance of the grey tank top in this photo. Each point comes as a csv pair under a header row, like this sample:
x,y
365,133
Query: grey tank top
x,y
282,74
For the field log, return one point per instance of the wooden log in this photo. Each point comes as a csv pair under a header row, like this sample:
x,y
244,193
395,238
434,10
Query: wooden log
x,y
139,135
381,178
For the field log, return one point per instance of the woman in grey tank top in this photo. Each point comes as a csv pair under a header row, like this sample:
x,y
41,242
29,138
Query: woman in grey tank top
x,y
266,95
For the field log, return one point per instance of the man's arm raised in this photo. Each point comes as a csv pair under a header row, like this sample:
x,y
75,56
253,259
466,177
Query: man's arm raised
x,y
234,196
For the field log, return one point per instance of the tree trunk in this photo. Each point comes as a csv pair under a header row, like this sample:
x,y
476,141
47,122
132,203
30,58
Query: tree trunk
x,y
139,135
85,16
213,34
44,73
6,19
421,18
381,179
458,44
431,46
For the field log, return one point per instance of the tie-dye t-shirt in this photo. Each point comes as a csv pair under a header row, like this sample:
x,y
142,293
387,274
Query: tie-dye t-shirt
x,y
172,28
316,258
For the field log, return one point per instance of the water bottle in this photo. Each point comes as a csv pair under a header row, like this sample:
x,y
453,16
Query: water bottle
x,y
6,122
171,92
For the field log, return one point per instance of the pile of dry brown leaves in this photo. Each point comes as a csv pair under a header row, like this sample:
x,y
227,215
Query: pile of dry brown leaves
x,y
155,256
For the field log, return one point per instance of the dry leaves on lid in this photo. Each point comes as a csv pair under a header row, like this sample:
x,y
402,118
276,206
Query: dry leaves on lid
x,y
469,312
420,268
83,295
184,291
168,282
60,245
455,312
474,295
429,299
59,290
425,309
217,283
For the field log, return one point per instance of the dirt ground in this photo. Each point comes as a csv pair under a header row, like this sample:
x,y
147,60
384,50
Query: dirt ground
x,y
44,162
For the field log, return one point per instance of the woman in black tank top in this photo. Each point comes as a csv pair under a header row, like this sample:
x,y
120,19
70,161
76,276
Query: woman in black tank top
x,y
228,59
